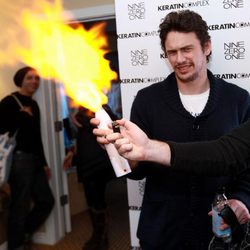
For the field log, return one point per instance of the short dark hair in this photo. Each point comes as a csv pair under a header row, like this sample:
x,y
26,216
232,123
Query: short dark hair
x,y
20,74
184,21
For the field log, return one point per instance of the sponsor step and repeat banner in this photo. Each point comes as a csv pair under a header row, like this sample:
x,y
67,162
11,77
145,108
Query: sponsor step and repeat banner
x,y
142,62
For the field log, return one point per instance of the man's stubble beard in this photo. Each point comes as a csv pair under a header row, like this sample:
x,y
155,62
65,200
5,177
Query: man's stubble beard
x,y
188,79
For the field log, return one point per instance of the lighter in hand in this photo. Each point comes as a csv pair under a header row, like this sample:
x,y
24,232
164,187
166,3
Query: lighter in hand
x,y
119,163
116,127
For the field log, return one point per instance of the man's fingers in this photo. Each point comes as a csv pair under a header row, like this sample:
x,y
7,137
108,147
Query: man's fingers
x,y
240,210
100,132
95,121
102,140
114,137
121,142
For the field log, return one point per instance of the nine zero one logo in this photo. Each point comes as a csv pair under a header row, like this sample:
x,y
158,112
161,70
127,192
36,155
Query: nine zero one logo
x,y
139,57
234,50
136,11
229,4
188,4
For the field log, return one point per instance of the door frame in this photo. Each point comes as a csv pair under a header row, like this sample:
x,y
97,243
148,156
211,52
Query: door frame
x,y
59,222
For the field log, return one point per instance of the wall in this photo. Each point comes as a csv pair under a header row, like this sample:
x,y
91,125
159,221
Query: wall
x,y
142,62
79,4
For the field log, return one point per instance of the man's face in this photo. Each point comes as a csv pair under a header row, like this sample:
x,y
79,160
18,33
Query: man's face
x,y
186,55
30,82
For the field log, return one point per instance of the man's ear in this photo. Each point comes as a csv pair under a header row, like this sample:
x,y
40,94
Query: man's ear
x,y
208,48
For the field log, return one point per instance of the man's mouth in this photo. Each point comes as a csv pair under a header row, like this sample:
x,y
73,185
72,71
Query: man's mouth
x,y
183,68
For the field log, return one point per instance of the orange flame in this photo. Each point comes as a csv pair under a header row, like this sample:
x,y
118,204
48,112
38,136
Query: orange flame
x,y
73,56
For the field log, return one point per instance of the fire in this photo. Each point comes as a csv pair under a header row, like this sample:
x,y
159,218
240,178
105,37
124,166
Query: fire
x,y
73,56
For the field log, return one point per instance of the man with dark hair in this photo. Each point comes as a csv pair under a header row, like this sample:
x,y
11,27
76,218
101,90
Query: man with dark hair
x,y
28,176
189,105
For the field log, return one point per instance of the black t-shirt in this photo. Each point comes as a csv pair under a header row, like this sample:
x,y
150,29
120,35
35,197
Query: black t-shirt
x,y
28,129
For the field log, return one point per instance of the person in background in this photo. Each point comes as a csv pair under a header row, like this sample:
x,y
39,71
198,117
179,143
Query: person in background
x,y
31,197
94,171
189,105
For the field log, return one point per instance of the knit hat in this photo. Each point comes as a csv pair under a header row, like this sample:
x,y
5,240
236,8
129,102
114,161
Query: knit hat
x,y
20,74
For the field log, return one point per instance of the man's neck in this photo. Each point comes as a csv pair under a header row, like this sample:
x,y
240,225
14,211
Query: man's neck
x,y
195,87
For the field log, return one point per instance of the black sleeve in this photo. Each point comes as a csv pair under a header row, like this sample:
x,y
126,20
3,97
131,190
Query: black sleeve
x,y
228,155
240,187
10,115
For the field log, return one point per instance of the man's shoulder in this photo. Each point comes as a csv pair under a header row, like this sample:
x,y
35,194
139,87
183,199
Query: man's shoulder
x,y
231,87
236,89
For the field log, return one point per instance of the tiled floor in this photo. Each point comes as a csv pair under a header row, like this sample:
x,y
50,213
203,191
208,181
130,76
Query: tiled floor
x,y
118,221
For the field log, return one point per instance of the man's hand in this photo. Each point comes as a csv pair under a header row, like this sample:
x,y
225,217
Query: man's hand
x,y
100,133
131,142
240,211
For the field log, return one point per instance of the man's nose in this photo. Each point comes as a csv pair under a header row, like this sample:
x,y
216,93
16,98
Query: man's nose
x,y
180,57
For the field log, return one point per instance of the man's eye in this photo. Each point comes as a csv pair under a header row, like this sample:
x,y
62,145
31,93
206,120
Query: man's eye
x,y
187,49
171,53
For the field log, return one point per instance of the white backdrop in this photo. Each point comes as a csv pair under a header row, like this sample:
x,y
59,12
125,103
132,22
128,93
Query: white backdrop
x,y
142,63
